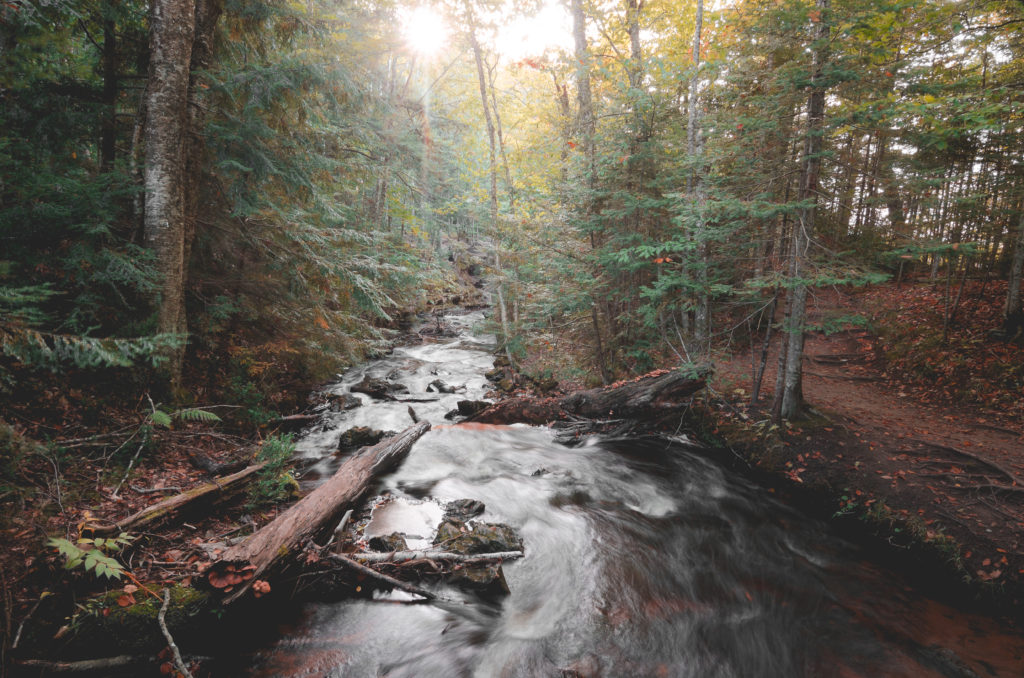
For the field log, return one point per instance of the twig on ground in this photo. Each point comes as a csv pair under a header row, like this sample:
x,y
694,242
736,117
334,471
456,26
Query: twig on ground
x,y
128,470
179,663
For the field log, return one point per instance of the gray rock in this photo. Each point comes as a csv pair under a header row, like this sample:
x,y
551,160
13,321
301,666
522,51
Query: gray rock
x,y
378,388
361,436
440,387
464,509
389,543
467,408
458,537
337,402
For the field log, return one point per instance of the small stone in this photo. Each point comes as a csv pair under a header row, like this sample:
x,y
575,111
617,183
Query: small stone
x,y
464,509
386,544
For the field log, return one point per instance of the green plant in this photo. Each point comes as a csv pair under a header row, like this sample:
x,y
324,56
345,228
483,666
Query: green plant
x,y
273,483
161,418
90,554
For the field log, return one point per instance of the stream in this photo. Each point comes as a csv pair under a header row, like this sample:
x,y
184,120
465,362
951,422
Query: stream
x,y
643,558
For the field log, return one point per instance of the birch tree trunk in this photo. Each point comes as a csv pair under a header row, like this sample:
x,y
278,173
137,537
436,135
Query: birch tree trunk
x,y
697,194
1013,308
792,388
172,30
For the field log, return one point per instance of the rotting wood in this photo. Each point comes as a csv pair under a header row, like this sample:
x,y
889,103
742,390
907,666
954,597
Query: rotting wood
x,y
190,501
644,398
272,547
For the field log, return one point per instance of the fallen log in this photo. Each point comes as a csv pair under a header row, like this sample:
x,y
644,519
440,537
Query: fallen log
x,y
180,505
103,665
315,516
399,557
646,397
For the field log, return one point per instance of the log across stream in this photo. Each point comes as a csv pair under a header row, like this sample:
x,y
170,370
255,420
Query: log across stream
x,y
642,558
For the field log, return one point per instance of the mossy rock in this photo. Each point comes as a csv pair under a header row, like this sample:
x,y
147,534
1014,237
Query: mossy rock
x,y
487,580
458,537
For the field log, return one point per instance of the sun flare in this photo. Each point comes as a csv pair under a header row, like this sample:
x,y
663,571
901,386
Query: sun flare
x,y
425,31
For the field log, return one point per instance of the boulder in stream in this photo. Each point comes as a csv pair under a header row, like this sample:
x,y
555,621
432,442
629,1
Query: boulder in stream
x,y
338,402
440,387
487,580
378,388
361,436
458,537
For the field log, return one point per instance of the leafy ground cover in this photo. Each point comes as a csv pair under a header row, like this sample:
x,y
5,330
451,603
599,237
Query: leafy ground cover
x,y
914,441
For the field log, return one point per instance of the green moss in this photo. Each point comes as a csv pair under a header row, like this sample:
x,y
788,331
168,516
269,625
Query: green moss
x,y
103,627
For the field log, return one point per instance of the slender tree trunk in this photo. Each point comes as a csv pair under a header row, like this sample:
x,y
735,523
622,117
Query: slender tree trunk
x,y
1013,309
172,29
792,390
501,141
108,132
695,151
586,122
482,82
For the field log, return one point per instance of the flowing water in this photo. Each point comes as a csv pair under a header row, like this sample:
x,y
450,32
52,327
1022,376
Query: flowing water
x,y
642,559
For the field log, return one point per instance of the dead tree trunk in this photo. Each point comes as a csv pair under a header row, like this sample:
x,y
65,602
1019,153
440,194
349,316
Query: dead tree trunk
x,y
644,398
318,513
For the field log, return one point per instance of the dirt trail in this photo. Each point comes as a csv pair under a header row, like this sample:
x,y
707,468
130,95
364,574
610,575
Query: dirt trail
x,y
958,471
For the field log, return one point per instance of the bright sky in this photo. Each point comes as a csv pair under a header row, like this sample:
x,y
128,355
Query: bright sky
x,y
551,28
427,33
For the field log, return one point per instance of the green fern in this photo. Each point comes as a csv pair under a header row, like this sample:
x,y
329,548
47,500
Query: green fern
x,y
196,414
165,419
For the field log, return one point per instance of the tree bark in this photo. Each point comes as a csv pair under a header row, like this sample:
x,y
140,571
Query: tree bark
x,y
311,518
697,194
172,30
482,81
1013,308
644,398
792,387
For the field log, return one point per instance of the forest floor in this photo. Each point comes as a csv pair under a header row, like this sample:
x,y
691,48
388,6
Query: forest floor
x,y
920,439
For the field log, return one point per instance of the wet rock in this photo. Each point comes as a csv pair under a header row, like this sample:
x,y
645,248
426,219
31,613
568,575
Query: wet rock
x,y
440,387
361,436
458,537
467,408
378,388
502,361
464,509
451,414
495,375
506,385
487,580
540,472
389,543
337,402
